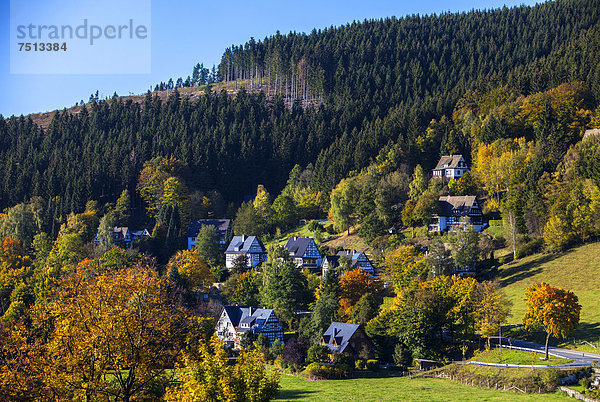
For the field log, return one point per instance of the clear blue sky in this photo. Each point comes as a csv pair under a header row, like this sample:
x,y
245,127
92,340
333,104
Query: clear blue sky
x,y
185,32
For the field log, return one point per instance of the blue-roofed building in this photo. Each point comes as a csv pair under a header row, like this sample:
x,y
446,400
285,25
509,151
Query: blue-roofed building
x,y
357,260
347,338
248,246
235,320
304,252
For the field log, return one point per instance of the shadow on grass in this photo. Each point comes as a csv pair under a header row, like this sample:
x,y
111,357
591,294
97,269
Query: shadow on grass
x,y
516,272
589,331
293,394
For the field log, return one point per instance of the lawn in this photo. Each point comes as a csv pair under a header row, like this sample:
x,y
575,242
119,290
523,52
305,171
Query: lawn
x,y
506,356
577,270
295,388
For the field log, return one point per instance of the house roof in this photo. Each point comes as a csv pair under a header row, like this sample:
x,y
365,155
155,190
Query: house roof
x,y
121,229
222,226
297,245
338,335
142,232
457,205
242,244
448,162
254,316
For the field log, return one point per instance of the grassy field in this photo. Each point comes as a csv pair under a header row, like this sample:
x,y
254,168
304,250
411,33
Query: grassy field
x,y
577,270
295,388
515,357
300,231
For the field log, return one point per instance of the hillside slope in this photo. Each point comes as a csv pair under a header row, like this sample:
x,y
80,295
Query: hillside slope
x,y
577,270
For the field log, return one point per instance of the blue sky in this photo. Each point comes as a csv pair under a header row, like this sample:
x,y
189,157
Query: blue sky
x,y
185,32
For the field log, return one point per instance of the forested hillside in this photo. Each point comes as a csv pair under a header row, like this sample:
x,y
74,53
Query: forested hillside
x,y
377,82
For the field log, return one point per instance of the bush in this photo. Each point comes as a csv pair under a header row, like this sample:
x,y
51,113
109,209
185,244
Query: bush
x,y
373,365
529,248
360,364
317,353
343,359
402,356
330,370
586,383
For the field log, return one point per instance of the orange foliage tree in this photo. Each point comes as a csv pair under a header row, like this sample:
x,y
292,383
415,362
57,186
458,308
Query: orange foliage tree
x,y
556,310
353,285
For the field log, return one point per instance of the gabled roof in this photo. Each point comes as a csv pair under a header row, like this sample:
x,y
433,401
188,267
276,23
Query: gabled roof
x,y
449,162
142,232
457,205
242,244
222,226
254,316
338,335
297,245
121,229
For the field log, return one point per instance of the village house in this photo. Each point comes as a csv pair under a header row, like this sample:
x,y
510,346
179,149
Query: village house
x,y
455,211
223,226
451,167
304,252
248,246
348,338
357,260
234,321
123,237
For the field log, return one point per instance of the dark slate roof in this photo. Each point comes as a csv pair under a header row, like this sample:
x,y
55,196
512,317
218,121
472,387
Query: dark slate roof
x,y
297,245
222,226
238,315
242,244
339,334
448,162
456,205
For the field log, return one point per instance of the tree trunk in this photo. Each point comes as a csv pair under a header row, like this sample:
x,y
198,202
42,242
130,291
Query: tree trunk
x,y
413,232
546,348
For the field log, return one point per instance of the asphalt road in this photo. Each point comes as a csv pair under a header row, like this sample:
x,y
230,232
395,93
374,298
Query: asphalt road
x,y
582,358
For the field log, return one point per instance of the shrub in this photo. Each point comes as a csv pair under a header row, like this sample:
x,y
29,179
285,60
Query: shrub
x,y
317,353
586,383
372,365
343,359
529,248
360,364
330,370
402,356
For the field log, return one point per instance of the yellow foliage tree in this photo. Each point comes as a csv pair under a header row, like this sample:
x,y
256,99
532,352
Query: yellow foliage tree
x,y
404,266
192,269
555,310
209,377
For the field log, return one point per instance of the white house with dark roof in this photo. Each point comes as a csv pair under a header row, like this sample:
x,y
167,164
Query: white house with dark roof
x,y
304,252
124,237
248,246
452,213
347,338
223,226
451,167
235,320
357,260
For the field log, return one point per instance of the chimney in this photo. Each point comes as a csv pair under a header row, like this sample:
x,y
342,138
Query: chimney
x,y
243,238
295,238
250,310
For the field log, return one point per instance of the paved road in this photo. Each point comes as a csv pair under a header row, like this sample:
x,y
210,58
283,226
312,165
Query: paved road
x,y
580,359
575,355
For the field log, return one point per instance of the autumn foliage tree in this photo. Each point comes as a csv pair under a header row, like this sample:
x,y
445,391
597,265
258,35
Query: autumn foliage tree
x,y
354,284
191,269
405,265
209,377
555,310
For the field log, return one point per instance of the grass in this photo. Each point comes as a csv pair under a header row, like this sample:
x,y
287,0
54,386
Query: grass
x,y
577,270
516,357
300,231
295,388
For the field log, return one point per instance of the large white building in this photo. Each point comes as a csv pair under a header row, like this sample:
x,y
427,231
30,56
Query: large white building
x,y
236,320
248,246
